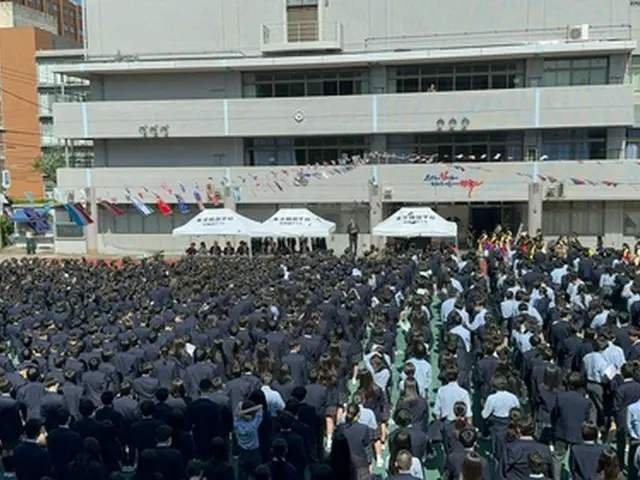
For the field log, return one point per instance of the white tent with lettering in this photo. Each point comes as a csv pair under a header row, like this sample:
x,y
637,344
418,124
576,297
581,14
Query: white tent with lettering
x,y
296,222
218,221
409,222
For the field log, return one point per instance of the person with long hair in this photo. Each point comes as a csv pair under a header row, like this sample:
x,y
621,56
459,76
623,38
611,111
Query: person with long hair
x,y
278,466
88,464
608,467
545,400
472,467
340,459
376,400
218,467
417,405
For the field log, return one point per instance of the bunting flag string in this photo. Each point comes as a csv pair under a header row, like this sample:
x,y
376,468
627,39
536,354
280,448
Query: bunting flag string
x,y
111,207
139,205
197,197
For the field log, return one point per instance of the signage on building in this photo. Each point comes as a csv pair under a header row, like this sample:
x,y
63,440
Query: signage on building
x,y
446,179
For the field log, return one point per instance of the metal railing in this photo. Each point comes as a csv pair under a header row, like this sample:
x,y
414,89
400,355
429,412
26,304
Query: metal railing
x,y
493,38
296,32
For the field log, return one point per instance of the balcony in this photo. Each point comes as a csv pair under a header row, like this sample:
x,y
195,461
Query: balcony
x,y
302,37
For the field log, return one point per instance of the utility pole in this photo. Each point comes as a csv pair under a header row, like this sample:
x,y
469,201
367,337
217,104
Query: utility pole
x,y
534,220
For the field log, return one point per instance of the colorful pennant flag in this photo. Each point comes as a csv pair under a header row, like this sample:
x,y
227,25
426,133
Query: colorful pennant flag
x,y
76,217
83,212
29,197
112,207
142,207
577,181
162,205
182,205
198,197
37,222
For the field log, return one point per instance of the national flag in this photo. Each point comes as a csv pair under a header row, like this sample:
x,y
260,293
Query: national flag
x,y
543,178
552,179
162,206
577,181
112,207
609,183
165,186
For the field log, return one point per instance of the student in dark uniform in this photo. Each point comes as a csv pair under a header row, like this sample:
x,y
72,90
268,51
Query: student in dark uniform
x,y
31,460
359,439
584,456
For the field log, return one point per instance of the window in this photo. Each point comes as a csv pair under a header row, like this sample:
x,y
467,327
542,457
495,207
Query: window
x,y
306,84
47,136
444,78
302,22
635,74
302,151
576,71
564,218
576,144
477,146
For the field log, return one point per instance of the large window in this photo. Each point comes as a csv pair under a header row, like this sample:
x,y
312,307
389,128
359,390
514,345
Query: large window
x,y
576,144
444,78
306,84
576,71
478,146
564,218
302,151
133,223
302,21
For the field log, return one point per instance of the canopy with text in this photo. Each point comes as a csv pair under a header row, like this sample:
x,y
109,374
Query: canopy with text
x,y
416,222
218,221
296,222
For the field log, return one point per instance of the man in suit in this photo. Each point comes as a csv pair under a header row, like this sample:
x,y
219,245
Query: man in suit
x,y
31,461
87,426
163,410
10,417
169,460
108,412
204,420
72,393
515,462
359,438
145,386
624,394
63,444
94,381
568,415
127,407
144,430
297,364
583,457
297,454
30,394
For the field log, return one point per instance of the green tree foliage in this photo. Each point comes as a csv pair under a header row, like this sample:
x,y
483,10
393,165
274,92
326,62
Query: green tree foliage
x,y
48,164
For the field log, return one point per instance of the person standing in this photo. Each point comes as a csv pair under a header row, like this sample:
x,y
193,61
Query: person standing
x,y
353,230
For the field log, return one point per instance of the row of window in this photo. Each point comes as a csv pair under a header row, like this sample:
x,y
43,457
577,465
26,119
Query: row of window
x,y
412,79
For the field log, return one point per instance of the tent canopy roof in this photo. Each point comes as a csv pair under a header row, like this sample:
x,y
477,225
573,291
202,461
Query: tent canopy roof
x,y
296,222
218,221
416,222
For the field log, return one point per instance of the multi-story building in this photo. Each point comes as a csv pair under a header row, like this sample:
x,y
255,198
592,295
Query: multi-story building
x,y
514,113
55,87
66,15
19,103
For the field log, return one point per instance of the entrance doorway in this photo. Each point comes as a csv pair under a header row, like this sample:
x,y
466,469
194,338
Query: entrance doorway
x,y
485,218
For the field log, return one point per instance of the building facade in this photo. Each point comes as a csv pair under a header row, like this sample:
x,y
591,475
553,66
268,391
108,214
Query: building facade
x,y
526,117
66,15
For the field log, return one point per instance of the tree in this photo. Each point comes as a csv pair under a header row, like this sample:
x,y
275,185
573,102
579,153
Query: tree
x,y
48,164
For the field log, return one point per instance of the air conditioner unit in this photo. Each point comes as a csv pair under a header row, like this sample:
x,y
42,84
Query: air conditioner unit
x,y
387,193
578,33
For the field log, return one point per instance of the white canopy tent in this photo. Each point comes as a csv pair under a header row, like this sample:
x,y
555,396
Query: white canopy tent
x,y
411,222
220,222
296,222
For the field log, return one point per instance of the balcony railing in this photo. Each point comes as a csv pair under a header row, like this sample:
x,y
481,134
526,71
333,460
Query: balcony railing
x,y
302,36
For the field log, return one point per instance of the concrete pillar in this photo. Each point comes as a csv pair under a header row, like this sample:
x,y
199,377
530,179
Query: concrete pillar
x,y
534,217
375,206
613,224
378,79
228,199
616,143
91,230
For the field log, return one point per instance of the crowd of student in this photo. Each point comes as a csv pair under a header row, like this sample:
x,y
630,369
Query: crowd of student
x,y
284,367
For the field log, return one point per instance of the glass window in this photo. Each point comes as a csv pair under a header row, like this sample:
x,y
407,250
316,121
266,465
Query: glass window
x,y
577,71
302,150
313,83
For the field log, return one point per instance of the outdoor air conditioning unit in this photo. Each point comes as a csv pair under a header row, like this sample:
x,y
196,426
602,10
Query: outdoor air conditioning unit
x,y
578,33
387,193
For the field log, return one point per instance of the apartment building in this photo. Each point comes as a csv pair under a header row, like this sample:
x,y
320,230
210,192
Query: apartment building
x,y
67,15
526,117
